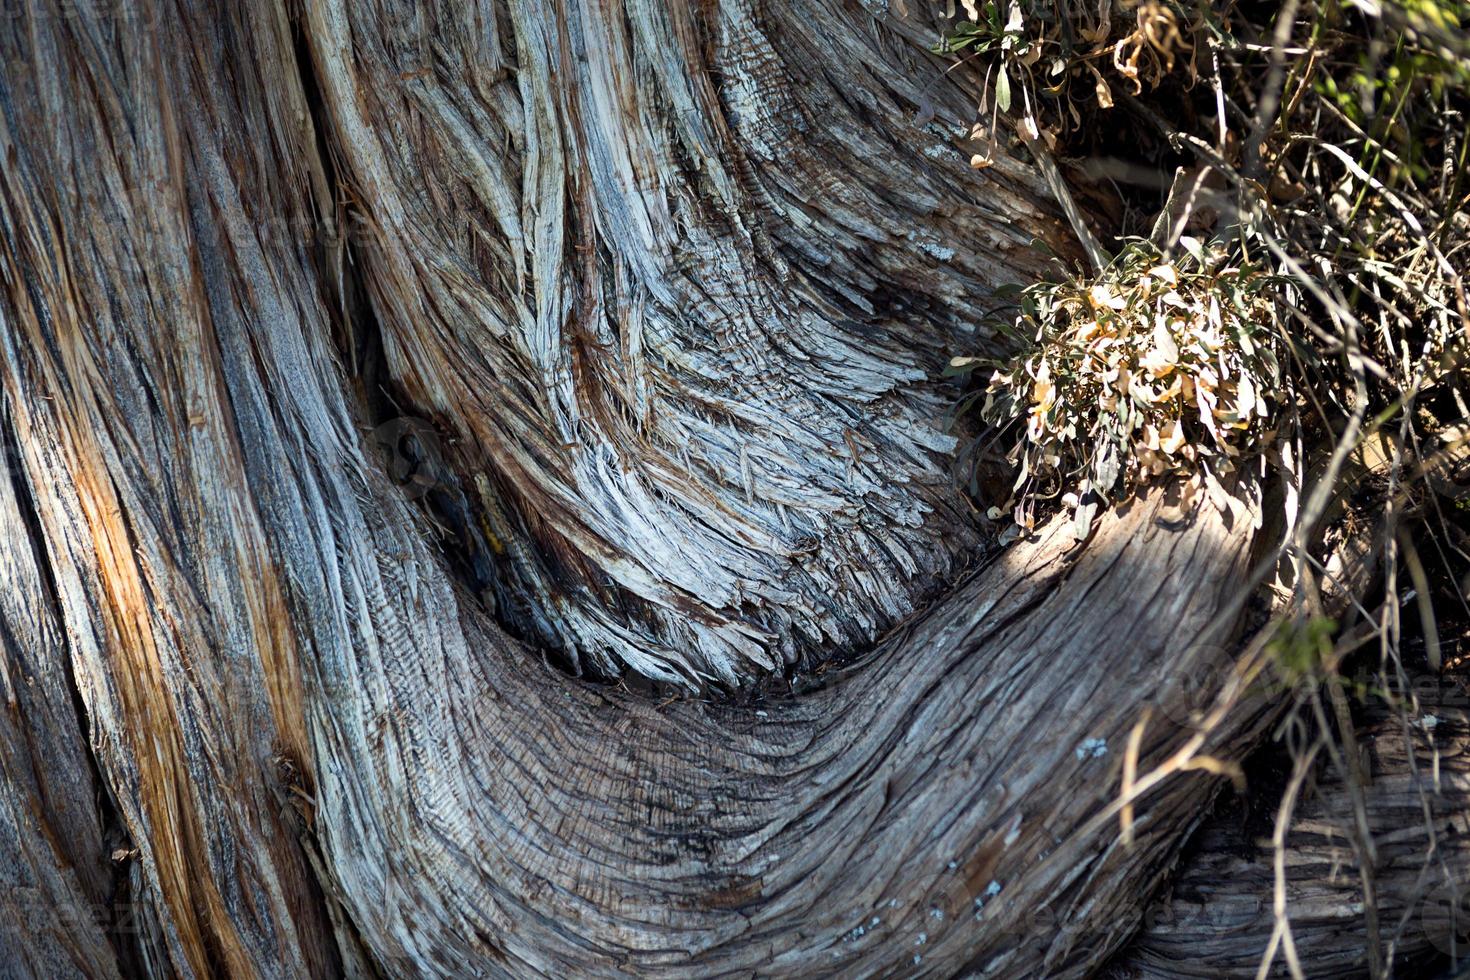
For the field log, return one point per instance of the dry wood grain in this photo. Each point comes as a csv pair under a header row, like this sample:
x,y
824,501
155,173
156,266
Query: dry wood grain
x,y
56,880
679,277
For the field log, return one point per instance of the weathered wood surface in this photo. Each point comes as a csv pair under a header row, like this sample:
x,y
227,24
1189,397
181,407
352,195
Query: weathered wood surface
x,y
141,306
679,277
56,886
323,747
1218,918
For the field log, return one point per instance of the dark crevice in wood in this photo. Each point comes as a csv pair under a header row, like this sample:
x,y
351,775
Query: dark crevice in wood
x,y
412,444
116,910
357,338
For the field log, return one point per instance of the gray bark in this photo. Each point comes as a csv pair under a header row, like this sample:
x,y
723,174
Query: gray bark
x,y
671,281
55,876
677,280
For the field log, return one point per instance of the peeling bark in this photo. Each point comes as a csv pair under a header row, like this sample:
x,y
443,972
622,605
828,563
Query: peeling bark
x,y
125,292
55,880
679,276
671,276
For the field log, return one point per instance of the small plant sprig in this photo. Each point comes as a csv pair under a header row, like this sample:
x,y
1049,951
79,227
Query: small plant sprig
x,y
1159,365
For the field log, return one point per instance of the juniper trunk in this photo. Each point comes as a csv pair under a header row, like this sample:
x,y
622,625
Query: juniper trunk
x,y
663,289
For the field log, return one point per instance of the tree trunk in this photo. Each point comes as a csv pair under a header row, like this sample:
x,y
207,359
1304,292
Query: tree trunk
x,y
665,288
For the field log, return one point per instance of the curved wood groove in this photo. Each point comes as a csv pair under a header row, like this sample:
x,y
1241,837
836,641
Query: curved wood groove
x,y
677,276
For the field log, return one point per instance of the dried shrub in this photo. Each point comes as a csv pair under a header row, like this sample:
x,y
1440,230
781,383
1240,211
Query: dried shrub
x,y
1159,365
